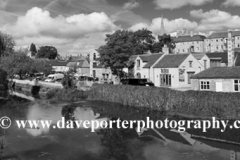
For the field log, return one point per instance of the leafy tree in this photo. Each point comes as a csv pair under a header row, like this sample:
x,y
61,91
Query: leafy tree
x,y
6,44
163,40
3,80
49,52
19,63
121,45
33,50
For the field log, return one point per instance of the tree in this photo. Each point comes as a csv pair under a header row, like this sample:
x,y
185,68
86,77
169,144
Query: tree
x,y
49,52
163,40
33,49
6,44
121,45
19,63
3,80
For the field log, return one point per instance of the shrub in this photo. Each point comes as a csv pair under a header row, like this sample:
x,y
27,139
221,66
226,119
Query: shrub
x,y
189,103
66,94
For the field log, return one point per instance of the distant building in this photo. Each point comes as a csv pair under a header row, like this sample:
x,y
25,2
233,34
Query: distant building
x,y
189,44
217,78
218,41
82,67
59,66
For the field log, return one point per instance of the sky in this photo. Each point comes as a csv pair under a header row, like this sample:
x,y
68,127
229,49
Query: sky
x,y
79,26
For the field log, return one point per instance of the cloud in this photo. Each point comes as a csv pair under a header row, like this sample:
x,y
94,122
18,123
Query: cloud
x,y
131,5
174,4
71,34
231,3
169,25
215,20
39,22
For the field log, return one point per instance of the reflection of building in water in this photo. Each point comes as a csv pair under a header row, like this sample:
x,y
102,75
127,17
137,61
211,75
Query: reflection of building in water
x,y
185,141
54,114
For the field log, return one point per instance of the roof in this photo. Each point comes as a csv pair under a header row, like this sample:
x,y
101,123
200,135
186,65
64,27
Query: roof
x,y
152,59
198,56
218,73
171,61
219,144
57,63
188,38
222,55
78,63
223,34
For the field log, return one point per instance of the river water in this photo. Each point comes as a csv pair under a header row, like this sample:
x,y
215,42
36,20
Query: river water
x,y
82,144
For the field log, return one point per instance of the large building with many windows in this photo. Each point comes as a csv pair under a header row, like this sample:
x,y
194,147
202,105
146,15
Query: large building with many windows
x,y
217,42
189,43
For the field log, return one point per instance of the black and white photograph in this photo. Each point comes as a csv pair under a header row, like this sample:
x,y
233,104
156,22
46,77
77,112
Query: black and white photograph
x,y
119,80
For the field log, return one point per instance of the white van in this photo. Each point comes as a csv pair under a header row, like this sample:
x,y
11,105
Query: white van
x,y
54,77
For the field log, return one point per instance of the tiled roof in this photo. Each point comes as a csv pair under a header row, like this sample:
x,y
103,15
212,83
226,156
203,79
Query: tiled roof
x,y
222,55
218,73
198,56
152,59
171,61
78,63
188,38
57,63
223,34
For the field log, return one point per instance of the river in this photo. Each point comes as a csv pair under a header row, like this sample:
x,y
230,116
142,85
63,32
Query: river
x,y
82,144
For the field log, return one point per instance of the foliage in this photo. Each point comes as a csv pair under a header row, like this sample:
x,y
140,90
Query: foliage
x,y
49,52
19,63
122,44
6,44
33,49
163,40
3,83
66,95
195,103
68,82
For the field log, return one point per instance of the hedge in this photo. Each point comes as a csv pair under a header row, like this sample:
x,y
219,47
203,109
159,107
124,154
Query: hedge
x,y
192,103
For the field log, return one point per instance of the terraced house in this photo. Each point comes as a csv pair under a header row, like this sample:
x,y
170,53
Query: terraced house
x,y
189,43
218,41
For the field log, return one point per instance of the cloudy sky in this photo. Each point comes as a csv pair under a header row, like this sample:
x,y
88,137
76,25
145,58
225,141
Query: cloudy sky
x,y
79,26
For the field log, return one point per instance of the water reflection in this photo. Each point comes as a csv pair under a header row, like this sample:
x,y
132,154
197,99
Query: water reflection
x,y
115,144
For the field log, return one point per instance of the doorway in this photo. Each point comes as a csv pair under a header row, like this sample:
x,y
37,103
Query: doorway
x,y
165,80
190,74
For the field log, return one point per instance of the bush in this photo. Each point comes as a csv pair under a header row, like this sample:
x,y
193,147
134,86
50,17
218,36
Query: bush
x,y
66,94
190,103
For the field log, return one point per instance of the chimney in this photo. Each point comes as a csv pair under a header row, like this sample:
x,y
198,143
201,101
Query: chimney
x,y
230,49
165,49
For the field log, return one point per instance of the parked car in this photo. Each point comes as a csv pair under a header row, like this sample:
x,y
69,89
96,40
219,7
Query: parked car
x,y
54,77
137,82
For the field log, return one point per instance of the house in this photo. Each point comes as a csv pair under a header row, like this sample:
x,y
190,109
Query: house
x,y
82,66
175,70
189,43
143,64
220,79
218,41
97,70
203,59
59,66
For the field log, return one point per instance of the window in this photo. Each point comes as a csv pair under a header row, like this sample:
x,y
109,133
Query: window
x,y
216,40
190,64
205,64
238,45
204,85
183,50
94,56
237,85
138,64
165,80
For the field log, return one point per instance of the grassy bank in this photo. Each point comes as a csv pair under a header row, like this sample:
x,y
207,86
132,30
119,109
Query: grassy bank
x,y
192,103
68,95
